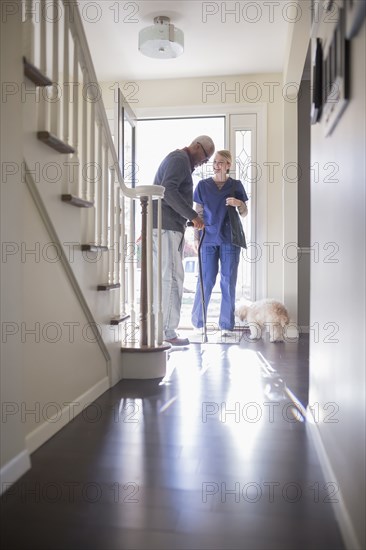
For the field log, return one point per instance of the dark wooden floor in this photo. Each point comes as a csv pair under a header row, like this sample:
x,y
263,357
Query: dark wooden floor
x,y
215,457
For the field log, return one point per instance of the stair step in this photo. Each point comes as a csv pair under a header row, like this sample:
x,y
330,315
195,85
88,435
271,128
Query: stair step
x,y
35,75
94,248
146,349
118,320
56,143
108,286
77,201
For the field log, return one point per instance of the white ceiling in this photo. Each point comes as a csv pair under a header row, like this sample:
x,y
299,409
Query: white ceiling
x,y
249,40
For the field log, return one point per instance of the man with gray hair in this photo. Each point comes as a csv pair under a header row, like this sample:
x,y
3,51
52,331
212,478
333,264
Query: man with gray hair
x,y
175,174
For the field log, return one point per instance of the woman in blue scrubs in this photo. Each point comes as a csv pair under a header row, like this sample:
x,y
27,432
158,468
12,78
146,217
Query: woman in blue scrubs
x,y
212,197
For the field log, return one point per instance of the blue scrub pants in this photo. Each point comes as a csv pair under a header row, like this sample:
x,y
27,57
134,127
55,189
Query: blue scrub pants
x,y
228,255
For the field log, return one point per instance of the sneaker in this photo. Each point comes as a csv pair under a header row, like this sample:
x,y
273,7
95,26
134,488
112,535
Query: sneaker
x,y
177,341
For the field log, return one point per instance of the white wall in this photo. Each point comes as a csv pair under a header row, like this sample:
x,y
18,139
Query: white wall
x,y
62,360
337,356
13,448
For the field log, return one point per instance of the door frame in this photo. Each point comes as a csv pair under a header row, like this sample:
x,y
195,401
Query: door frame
x,y
260,109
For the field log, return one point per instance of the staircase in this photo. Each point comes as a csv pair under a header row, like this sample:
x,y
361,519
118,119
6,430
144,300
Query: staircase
x,y
73,174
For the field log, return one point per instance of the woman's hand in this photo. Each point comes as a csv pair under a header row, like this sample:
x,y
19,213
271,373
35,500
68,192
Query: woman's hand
x,y
240,205
231,201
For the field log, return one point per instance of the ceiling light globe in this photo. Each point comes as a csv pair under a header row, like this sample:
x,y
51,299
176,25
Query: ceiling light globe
x,y
162,40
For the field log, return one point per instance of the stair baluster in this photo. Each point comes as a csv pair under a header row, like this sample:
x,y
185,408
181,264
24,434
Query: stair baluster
x,y
65,88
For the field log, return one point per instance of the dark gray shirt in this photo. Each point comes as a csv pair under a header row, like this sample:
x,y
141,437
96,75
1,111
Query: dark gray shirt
x,y
175,174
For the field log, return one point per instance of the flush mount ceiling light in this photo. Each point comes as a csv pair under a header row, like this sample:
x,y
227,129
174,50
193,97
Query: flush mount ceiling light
x,y
162,40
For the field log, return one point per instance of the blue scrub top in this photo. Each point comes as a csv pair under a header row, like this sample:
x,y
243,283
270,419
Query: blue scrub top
x,y
215,211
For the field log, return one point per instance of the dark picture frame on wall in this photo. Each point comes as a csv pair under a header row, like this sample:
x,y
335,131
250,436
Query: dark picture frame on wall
x,y
317,84
355,14
336,92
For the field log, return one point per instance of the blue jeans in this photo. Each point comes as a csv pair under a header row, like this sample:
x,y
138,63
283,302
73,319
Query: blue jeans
x,y
172,244
228,255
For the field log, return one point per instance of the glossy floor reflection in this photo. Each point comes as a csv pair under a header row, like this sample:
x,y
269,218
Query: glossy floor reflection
x,y
216,456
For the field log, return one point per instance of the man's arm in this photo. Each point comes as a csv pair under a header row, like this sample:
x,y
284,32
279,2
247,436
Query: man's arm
x,y
174,174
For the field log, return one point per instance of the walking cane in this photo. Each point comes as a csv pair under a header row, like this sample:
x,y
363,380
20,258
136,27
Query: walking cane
x,y
204,317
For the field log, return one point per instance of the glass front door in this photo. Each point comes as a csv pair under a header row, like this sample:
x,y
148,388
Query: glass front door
x,y
155,138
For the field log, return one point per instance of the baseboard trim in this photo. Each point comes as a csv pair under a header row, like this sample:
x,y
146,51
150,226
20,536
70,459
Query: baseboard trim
x,y
42,433
13,470
349,535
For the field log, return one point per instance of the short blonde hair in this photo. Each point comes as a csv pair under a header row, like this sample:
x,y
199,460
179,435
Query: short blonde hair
x,y
226,154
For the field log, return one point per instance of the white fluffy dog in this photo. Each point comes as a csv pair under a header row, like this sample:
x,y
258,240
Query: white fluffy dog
x,y
263,313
